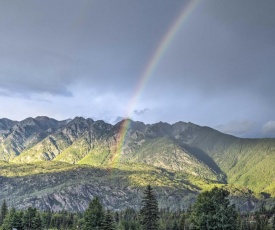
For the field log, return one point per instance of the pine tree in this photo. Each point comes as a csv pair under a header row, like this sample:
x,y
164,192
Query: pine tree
x,y
116,217
17,220
175,226
94,215
108,223
46,219
31,219
182,222
4,212
149,211
273,223
7,222
13,220
212,210
37,222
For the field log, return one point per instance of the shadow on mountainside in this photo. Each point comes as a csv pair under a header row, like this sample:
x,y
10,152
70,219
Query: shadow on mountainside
x,y
202,156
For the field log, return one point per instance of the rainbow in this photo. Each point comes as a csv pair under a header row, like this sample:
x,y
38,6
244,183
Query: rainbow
x,y
148,71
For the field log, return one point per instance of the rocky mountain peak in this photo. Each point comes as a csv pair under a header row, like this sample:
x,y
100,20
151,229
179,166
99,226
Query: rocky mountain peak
x,y
102,125
81,120
28,121
6,124
159,129
130,125
37,124
77,127
43,118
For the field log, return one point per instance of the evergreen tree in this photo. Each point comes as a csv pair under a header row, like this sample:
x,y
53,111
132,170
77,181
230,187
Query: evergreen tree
x,y
46,219
243,224
108,223
37,222
129,219
13,220
239,222
261,221
17,220
175,226
7,222
273,223
149,211
116,217
182,222
212,210
94,215
31,219
4,212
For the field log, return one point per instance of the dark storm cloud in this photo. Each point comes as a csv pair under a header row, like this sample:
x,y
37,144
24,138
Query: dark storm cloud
x,y
27,71
47,46
229,47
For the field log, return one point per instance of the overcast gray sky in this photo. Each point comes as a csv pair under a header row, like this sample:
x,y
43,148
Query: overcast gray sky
x,y
85,58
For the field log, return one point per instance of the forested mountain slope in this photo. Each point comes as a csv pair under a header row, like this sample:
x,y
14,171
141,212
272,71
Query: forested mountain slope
x,y
46,162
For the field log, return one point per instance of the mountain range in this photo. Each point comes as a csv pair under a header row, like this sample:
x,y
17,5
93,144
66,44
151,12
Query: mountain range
x,y
58,165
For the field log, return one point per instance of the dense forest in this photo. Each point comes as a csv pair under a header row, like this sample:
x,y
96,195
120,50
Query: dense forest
x,y
212,210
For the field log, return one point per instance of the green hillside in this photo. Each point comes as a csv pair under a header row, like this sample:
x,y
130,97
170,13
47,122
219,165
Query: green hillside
x,y
246,162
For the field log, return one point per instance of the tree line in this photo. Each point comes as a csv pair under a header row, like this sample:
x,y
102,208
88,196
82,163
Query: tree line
x,y
212,210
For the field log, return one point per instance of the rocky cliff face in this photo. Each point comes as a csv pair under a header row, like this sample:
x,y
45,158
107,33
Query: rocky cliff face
x,y
25,134
73,189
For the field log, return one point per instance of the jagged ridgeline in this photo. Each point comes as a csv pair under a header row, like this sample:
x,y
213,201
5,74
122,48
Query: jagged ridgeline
x,y
63,164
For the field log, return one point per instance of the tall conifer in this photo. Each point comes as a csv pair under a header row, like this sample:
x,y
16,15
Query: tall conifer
x,y
149,211
94,215
109,223
4,212
212,210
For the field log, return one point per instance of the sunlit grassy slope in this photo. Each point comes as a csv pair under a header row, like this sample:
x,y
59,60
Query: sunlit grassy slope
x,y
246,162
